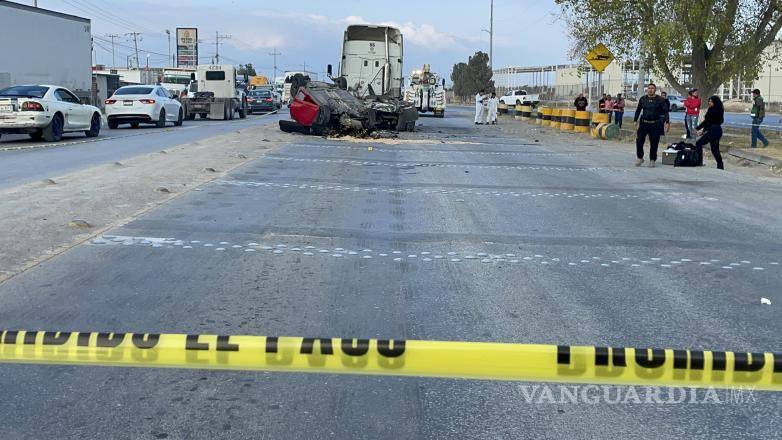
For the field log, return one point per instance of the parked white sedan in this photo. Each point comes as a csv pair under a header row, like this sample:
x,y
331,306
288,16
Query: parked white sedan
x,y
136,105
46,111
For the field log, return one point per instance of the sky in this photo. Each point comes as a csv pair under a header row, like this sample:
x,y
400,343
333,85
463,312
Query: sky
x,y
438,32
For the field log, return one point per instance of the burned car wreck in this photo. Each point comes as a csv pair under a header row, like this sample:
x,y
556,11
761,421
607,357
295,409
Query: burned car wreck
x,y
323,109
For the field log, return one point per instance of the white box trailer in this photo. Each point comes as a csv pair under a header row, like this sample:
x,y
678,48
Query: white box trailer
x,y
40,46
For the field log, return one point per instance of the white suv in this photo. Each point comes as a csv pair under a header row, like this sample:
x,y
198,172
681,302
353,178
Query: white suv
x,y
142,104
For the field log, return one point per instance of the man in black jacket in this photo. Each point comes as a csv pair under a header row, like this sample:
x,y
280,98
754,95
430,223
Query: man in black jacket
x,y
581,103
652,110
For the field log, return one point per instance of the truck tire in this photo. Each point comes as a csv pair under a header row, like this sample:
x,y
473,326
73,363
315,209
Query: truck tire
x,y
202,115
243,111
94,130
225,112
53,131
231,111
293,127
161,120
190,116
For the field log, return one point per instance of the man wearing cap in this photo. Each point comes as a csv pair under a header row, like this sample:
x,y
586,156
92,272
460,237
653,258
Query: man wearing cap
x,y
692,107
758,113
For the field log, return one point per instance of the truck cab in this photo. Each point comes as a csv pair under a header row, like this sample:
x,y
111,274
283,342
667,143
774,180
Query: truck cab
x,y
217,95
371,60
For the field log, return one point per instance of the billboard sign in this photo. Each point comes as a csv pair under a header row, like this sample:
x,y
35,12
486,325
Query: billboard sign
x,y
186,47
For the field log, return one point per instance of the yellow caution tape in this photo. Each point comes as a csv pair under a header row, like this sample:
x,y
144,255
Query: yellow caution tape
x,y
474,360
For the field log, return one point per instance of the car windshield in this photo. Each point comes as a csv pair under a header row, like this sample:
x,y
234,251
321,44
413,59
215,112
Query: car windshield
x,y
261,94
25,91
134,91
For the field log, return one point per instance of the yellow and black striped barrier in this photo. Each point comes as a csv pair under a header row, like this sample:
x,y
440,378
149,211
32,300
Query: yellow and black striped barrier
x,y
546,120
582,121
473,360
605,130
555,117
567,119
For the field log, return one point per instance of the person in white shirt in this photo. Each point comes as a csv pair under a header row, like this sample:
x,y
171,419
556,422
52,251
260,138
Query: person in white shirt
x,y
493,104
479,108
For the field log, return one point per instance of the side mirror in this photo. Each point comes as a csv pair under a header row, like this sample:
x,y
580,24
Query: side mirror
x,y
329,70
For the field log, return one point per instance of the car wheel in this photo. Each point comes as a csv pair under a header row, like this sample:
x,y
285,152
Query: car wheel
x,y
293,127
36,136
161,120
518,102
53,131
202,115
94,130
113,124
179,119
134,124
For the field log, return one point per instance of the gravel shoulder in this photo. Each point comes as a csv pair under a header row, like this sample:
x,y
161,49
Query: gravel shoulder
x,y
44,219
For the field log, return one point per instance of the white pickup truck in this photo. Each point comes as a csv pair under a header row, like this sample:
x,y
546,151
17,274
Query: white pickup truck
x,y
519,97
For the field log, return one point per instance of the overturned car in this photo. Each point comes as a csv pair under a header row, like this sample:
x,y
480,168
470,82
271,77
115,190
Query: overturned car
x,y
365,96
320,108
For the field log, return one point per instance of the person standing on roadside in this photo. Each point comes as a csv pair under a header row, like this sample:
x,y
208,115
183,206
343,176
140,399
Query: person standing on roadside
x,y
601,105
493,105
758,113
609,107
479,108
692,106
581,103
619,110
711,127
651,119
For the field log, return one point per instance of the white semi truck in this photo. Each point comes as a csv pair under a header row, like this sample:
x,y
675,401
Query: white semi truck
x,y
40,46
427,91
217,95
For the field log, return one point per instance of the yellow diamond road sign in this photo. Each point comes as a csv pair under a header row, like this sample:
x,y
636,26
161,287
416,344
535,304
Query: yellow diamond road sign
x,y
600,57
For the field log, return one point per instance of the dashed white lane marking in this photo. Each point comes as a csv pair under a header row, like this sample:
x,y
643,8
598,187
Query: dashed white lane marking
x,y
450,165
648,196
424,256
438,151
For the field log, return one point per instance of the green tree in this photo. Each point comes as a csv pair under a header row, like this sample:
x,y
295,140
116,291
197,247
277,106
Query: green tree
x,y
471,77
246,68
718,39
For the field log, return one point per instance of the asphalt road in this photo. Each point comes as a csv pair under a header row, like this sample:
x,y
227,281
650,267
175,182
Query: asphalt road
x,y
603,254
26,161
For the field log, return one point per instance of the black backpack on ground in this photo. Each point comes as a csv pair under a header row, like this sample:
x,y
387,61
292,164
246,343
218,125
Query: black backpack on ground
x,y
687,156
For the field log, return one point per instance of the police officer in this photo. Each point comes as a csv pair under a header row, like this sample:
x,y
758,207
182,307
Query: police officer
x,y
652,110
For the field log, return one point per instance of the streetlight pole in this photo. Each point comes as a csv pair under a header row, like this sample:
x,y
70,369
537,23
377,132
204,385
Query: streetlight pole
x,y
168,32
491,35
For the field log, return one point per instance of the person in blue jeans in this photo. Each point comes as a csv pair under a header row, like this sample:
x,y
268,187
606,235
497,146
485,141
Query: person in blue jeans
x,y
711,128
758,113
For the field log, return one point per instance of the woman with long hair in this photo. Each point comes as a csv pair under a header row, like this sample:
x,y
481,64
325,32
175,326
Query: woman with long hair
x,y
711,128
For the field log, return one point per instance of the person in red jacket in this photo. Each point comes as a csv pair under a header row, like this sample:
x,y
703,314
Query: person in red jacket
x,y
692,107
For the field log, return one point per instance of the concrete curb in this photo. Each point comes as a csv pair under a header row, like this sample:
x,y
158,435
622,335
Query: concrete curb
x,y
755,157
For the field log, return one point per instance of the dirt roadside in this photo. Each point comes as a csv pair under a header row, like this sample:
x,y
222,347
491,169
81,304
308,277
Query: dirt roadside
x,y
44,219
510,126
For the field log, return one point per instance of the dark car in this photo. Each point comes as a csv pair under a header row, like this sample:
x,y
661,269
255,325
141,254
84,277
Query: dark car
x,y
260,101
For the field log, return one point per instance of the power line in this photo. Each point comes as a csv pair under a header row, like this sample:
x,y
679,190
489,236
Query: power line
x,y
111,15
135,43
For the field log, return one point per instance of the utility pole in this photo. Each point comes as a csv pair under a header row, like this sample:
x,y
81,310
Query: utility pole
x,y
275,54
113,62
304,66
219,37
135,44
